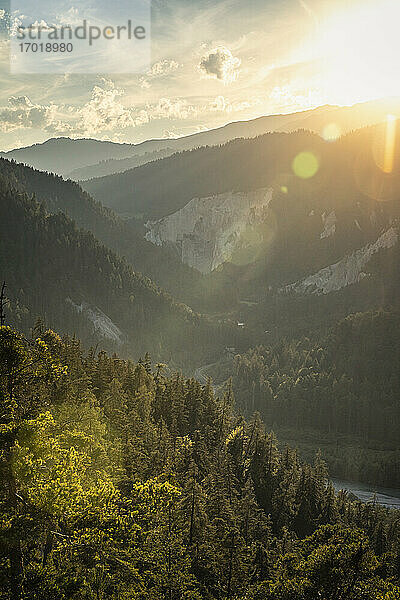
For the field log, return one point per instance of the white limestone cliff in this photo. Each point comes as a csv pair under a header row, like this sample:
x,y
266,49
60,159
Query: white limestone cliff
x,y
347,271
208,231
102,324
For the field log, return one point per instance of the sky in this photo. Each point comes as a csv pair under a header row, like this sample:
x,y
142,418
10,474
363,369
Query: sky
x,y
212,62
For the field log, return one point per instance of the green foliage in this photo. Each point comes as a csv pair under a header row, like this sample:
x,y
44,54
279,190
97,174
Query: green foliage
x,y
90,290
120,482
340,385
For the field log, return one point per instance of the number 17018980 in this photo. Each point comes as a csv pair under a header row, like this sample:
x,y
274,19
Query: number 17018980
x,y
45,47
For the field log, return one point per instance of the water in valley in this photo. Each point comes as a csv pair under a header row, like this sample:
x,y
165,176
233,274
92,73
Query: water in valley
x,y
388,497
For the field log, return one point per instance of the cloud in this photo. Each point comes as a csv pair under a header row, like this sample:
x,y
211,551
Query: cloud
x,y
163,67
220,64
222,104
295,97
105,111
159,69
171,108
169,135
70,17
22,113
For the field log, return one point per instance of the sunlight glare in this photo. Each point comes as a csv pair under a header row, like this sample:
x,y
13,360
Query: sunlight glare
x,y
390,144
360,48
331,132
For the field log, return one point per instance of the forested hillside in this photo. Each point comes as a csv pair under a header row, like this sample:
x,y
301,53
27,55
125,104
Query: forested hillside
x,y
162,187
126,238
66,277
348,169
119,482
337,390
342,213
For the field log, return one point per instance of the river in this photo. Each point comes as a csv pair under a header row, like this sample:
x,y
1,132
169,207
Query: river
x,y
388,497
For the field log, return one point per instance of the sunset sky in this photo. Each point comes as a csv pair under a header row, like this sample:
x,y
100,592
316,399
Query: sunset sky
x,y
214,62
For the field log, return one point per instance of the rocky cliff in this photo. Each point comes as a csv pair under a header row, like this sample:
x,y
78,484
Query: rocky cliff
x,y
347,271
207,232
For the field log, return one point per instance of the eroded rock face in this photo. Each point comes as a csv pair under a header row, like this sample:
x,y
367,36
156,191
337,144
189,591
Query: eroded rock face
x,y
101,323
347,271
208,231
329,222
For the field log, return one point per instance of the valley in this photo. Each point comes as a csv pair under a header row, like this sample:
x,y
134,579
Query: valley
x,y
192,321
200,300
271,263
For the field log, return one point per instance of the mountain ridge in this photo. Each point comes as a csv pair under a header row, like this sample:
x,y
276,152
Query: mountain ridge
x,y
316,119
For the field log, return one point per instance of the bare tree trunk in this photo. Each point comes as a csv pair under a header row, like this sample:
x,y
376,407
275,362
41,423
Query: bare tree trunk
x,y
2,298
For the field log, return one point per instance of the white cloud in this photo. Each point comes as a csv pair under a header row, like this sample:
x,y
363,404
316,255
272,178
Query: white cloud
x,y
171,108
21,113
161,68
70,17
220,64
105,111
222,104
170,135
294,97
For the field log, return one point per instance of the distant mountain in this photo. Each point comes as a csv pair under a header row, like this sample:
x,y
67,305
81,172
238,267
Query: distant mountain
x,y
86,159
126,238
241,216
325,120
62,155
111,166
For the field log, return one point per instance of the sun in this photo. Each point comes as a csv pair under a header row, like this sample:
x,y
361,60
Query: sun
x,y
360,50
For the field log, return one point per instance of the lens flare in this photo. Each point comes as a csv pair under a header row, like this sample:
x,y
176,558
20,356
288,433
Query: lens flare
x,y
390,144
305,165
331,132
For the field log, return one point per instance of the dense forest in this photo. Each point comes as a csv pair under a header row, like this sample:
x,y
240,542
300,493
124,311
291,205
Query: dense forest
x,y
164,186
348,172
126,238
338,388
65,276
119,481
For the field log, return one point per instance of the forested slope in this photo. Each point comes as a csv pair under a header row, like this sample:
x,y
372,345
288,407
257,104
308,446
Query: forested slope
x,y
348,169
120,482
126,238
64,275
163,186
337,390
